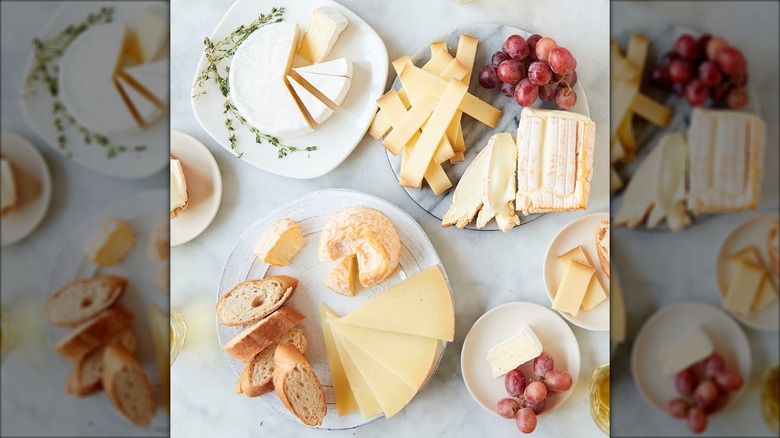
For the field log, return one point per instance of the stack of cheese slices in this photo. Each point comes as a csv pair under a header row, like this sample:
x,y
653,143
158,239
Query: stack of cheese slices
x,y
114,78
382,353
753,286
291,102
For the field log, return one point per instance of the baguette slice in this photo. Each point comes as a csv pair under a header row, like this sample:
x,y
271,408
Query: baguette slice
x,y
127,386
85,377
93,333
602,244
257,378
80,300
298,386
256,337
252,300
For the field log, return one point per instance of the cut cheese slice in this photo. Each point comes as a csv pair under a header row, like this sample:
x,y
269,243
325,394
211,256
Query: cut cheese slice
x,y
151,35
279,243
313,107
411,358
685,351
336,67
640,195
143,110
595,294
744,288
499,184
574,285
514,352
334,88
670,196
420,305
364,396
180,196
109,243
345,399
390,391
467,199
325,26
767,294
408,126
343,277
152,83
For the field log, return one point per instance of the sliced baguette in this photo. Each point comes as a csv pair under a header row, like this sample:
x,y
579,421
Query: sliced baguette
x,y
257,378
298,386
602,245
127,386
80,300
93,333
256,337
85,377
252,300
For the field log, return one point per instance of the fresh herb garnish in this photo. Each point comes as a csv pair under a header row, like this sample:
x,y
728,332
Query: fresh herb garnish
x,y
223,50
46,71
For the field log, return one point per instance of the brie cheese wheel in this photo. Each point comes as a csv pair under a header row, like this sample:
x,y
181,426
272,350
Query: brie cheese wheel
x,y
313,107
325,26
258,85
499,183
726,166
336,67
86,80
467,199
179,194
685,351
334,88
144,111
8,189
554,160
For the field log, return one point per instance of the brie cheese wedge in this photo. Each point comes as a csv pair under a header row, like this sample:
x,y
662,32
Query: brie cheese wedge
x,y
333,88
317,111
325,26
467,199
151,80
499,183
144,111
641,193
336,67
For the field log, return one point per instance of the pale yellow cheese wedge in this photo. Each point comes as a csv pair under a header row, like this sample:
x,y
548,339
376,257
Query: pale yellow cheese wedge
x,y
279,243
345,399
574,285
595,293
744,288
109,243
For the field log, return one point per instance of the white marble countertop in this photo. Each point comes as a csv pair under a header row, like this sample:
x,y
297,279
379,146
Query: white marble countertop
x,y
686,259
485,268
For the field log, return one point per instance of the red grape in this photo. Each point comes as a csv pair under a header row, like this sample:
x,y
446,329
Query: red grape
x,y
488,77
539,73
678,407
499,57
526,420
538,408
729,381
668,58
508,89
514,383
562,61
543,48
548,92
731,61
687,47
516,47
557,380
526,93
714,46
535,392
680,71
678,88
702,43
737,98
697,420
507,407
720,92
740,79
710,74
696,93
713,364
542,364
686,382
566,98
706,394
570,78
511,71
532,40
659,77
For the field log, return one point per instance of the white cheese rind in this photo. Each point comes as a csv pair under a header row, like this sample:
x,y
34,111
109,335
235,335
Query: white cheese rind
x,y
514,352
324,28
334,88
144,111
336,67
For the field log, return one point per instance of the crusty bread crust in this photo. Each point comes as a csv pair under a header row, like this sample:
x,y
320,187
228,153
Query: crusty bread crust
x,y
93,333
287,358
78,382
116,360
250,387
70,291
256,337
602,245
245,293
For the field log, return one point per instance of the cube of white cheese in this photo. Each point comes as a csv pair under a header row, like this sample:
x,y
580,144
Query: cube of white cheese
x,y
685,351
514,352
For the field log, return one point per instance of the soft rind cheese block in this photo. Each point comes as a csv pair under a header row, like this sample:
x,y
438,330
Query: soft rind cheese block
x,y
514,352
144,111
410,358
574,284
595,294
325,26
499,183
8,189
280,242
336,67
333,87
345,399
313,107
343,277
179,193
726,164
109,243
258,85
421,305
554,160
684,351
86,80
364,396
672,191
641,193
467,199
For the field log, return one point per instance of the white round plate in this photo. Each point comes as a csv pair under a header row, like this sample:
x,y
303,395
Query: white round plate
x,y
751,232
142,211
667,325
311,212
342,132
503,322
491,38
34,188
37,108
579,232
204,185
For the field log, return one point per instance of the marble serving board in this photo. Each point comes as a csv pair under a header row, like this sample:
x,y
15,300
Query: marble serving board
x,y
491,39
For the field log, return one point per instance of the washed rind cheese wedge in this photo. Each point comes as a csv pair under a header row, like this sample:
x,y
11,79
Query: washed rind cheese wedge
x,y
279,243
343,277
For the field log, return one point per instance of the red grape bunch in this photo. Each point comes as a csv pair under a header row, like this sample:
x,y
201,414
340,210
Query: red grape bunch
x,y
527,399
704,387
704,68
534,68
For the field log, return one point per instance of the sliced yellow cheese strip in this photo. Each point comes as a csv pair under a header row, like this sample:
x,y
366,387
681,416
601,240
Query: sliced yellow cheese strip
x,y
411,122
345,399
571,291
409,357
595,293
420,305
744,288
466,53
364,397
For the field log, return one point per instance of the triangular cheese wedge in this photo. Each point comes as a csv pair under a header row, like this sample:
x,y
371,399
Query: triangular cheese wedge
x,y
467,199
337,67
366,401
499,184
153,88
345,399
343,277
640,195
334,88
313,107
150,36
420,305
767,294
409,357
595,293
144,112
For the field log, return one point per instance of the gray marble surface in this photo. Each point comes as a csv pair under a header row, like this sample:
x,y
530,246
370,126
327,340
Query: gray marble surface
x,y
657,268
485,269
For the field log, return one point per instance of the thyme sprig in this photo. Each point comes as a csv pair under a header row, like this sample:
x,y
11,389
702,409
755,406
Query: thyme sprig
x,y
223,50
46,71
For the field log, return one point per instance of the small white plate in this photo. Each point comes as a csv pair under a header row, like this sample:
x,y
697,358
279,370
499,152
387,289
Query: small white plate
x,y
204,185
37,108
34,188
677,320
579,232
311,212
753,232
498,325
342,132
